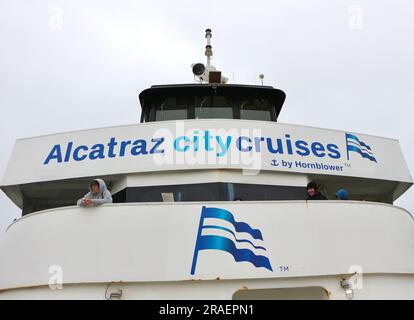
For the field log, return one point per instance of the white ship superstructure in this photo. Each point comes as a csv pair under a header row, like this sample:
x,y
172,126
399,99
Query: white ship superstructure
x,y
177,229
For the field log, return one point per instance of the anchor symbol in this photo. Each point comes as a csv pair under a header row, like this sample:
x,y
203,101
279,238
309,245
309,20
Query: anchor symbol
x,y
274,163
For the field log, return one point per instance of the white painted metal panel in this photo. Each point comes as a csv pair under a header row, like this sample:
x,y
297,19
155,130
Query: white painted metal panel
x,y
156,242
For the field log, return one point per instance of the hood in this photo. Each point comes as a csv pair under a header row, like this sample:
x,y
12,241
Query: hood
x,y
102,185
342,194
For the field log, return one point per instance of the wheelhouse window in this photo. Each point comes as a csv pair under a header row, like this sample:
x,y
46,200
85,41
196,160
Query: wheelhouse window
x,y
172,108
210,102
256,109
210,107
214,107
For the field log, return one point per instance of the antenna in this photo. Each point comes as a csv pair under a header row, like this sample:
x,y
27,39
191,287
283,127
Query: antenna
x,y
209,51
208,73
261,77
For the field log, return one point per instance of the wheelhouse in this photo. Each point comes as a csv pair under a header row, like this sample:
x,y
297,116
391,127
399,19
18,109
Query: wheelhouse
x,y
211,101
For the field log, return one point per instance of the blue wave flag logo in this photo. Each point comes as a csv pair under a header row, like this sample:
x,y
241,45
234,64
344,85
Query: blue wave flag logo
x,y
353,143
214,242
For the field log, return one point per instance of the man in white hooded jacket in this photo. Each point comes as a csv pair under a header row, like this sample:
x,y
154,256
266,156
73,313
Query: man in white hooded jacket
x,y
98,194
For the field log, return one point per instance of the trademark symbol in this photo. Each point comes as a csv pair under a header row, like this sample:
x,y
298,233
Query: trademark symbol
x,y
347,165
284,268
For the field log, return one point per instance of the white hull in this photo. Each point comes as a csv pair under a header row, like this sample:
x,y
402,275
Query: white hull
x,y
146,250
376,286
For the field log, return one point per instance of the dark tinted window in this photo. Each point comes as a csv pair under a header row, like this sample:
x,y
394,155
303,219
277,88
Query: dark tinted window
x,y
256,109
119,197
214,107
174,108
264,192
212,192
180,193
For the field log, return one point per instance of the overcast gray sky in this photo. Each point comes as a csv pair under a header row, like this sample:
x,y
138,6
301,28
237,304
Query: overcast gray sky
x,y
71,65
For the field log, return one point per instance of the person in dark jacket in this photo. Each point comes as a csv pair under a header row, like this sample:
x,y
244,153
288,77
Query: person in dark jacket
x,y
313,193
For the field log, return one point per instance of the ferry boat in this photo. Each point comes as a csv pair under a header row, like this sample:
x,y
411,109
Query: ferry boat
x,y
209,202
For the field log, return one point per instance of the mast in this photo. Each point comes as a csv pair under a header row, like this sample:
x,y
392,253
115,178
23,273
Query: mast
x,y
207,73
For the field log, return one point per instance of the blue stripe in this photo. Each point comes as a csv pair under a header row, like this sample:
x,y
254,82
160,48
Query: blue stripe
x,y
227,216
351,136
351,147
363,149
363,154
235,238
224,244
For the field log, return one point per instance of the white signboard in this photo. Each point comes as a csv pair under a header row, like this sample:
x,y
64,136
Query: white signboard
x,y
198,144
